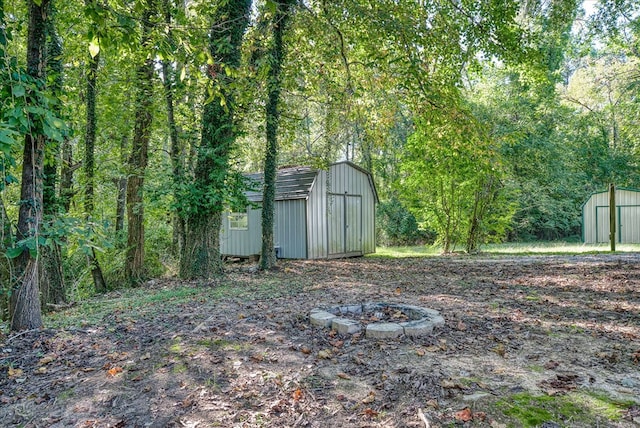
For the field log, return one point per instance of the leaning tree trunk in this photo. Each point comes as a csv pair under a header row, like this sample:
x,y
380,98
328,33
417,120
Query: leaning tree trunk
x,y
134,263
200,257
274,87
26,313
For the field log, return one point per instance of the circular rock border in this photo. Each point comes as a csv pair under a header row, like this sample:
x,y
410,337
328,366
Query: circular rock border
x,y
421,320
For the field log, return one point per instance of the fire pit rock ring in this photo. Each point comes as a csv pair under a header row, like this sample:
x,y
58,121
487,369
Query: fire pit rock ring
x,y
412,321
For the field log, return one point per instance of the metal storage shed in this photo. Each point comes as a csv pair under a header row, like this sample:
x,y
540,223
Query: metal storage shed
x,y
595,217
319,214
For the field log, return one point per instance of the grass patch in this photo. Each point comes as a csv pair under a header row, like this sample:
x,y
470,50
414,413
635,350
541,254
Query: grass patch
x,y
510,248
576,408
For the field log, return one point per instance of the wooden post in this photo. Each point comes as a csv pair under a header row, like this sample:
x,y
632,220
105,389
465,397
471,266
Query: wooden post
x,y
612,216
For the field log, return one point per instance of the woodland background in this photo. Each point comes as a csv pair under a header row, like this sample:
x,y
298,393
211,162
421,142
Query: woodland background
x,y
126,125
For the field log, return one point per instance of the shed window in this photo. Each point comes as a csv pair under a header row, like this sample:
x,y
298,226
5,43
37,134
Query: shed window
x,y
238,221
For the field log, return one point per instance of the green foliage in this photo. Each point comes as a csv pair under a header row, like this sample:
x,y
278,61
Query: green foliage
x,y
451,180
397,226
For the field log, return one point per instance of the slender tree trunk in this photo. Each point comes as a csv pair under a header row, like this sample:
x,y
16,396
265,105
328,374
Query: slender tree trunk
x,y
52,286
66,176
274,87
200,257
89,166
177,155
134,264
89,162
26,313
121,197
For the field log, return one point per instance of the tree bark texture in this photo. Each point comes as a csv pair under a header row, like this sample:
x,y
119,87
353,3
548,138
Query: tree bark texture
x,y
26,313
134,263
274,87
52,285
200,258
177,151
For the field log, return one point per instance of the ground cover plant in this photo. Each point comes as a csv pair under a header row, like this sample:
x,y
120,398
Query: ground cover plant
x,y
528,341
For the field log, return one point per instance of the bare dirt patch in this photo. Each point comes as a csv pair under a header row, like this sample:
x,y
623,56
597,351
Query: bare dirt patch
x,y
545,326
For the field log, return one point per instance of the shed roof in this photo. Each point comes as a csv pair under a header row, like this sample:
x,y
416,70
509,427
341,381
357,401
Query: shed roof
x,y
291,183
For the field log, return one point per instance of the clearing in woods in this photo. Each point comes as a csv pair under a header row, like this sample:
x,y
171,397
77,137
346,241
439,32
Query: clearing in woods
x,y
547,341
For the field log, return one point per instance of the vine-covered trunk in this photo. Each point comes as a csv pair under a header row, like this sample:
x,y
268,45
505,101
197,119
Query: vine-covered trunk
x,y
52,286
134,264
25,304
274,87
200,257
89,162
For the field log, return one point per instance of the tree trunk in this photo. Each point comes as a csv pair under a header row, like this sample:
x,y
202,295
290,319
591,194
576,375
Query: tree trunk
x,y
200,258
52,286
89,163
177,155
274,87
134,264
26,313
66,176
121,197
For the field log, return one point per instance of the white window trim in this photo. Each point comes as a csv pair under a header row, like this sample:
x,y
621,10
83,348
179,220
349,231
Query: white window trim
x,y
236,217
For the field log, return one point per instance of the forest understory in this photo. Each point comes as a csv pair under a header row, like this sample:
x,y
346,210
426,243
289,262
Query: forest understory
x,y
548,341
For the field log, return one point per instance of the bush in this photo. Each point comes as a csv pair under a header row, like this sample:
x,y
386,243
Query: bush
x,y
397,226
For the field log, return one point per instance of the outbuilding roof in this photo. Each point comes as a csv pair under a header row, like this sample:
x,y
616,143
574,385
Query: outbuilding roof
x,y
291,183
296,182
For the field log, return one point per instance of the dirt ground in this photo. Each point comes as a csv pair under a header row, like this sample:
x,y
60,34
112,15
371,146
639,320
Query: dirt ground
x,y
240,351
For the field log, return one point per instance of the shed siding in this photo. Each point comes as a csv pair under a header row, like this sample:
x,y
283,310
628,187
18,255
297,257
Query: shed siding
x,y
595,217
290,232
242,243
347,179
317,218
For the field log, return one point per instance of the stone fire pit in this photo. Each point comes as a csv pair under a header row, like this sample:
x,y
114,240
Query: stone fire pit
x,y
379,320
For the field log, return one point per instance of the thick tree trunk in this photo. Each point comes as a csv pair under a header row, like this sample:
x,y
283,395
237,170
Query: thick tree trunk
x,y
274,87
134,264
201,253
200,257
26,313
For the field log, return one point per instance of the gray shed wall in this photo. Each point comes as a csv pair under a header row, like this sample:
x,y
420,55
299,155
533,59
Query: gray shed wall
x,y
290,231
595,217
317,218
242,243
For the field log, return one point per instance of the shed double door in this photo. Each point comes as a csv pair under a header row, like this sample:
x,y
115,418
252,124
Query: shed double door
x,y
345,225
627,224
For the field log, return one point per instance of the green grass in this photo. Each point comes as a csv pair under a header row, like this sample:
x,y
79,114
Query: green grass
x,y
577,408
510,248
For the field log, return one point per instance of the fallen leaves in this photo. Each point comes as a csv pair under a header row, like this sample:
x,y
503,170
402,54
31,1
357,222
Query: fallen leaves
x,y
562,384
14,373
325,354
466,415
297,395
463,415
370,398
114,371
